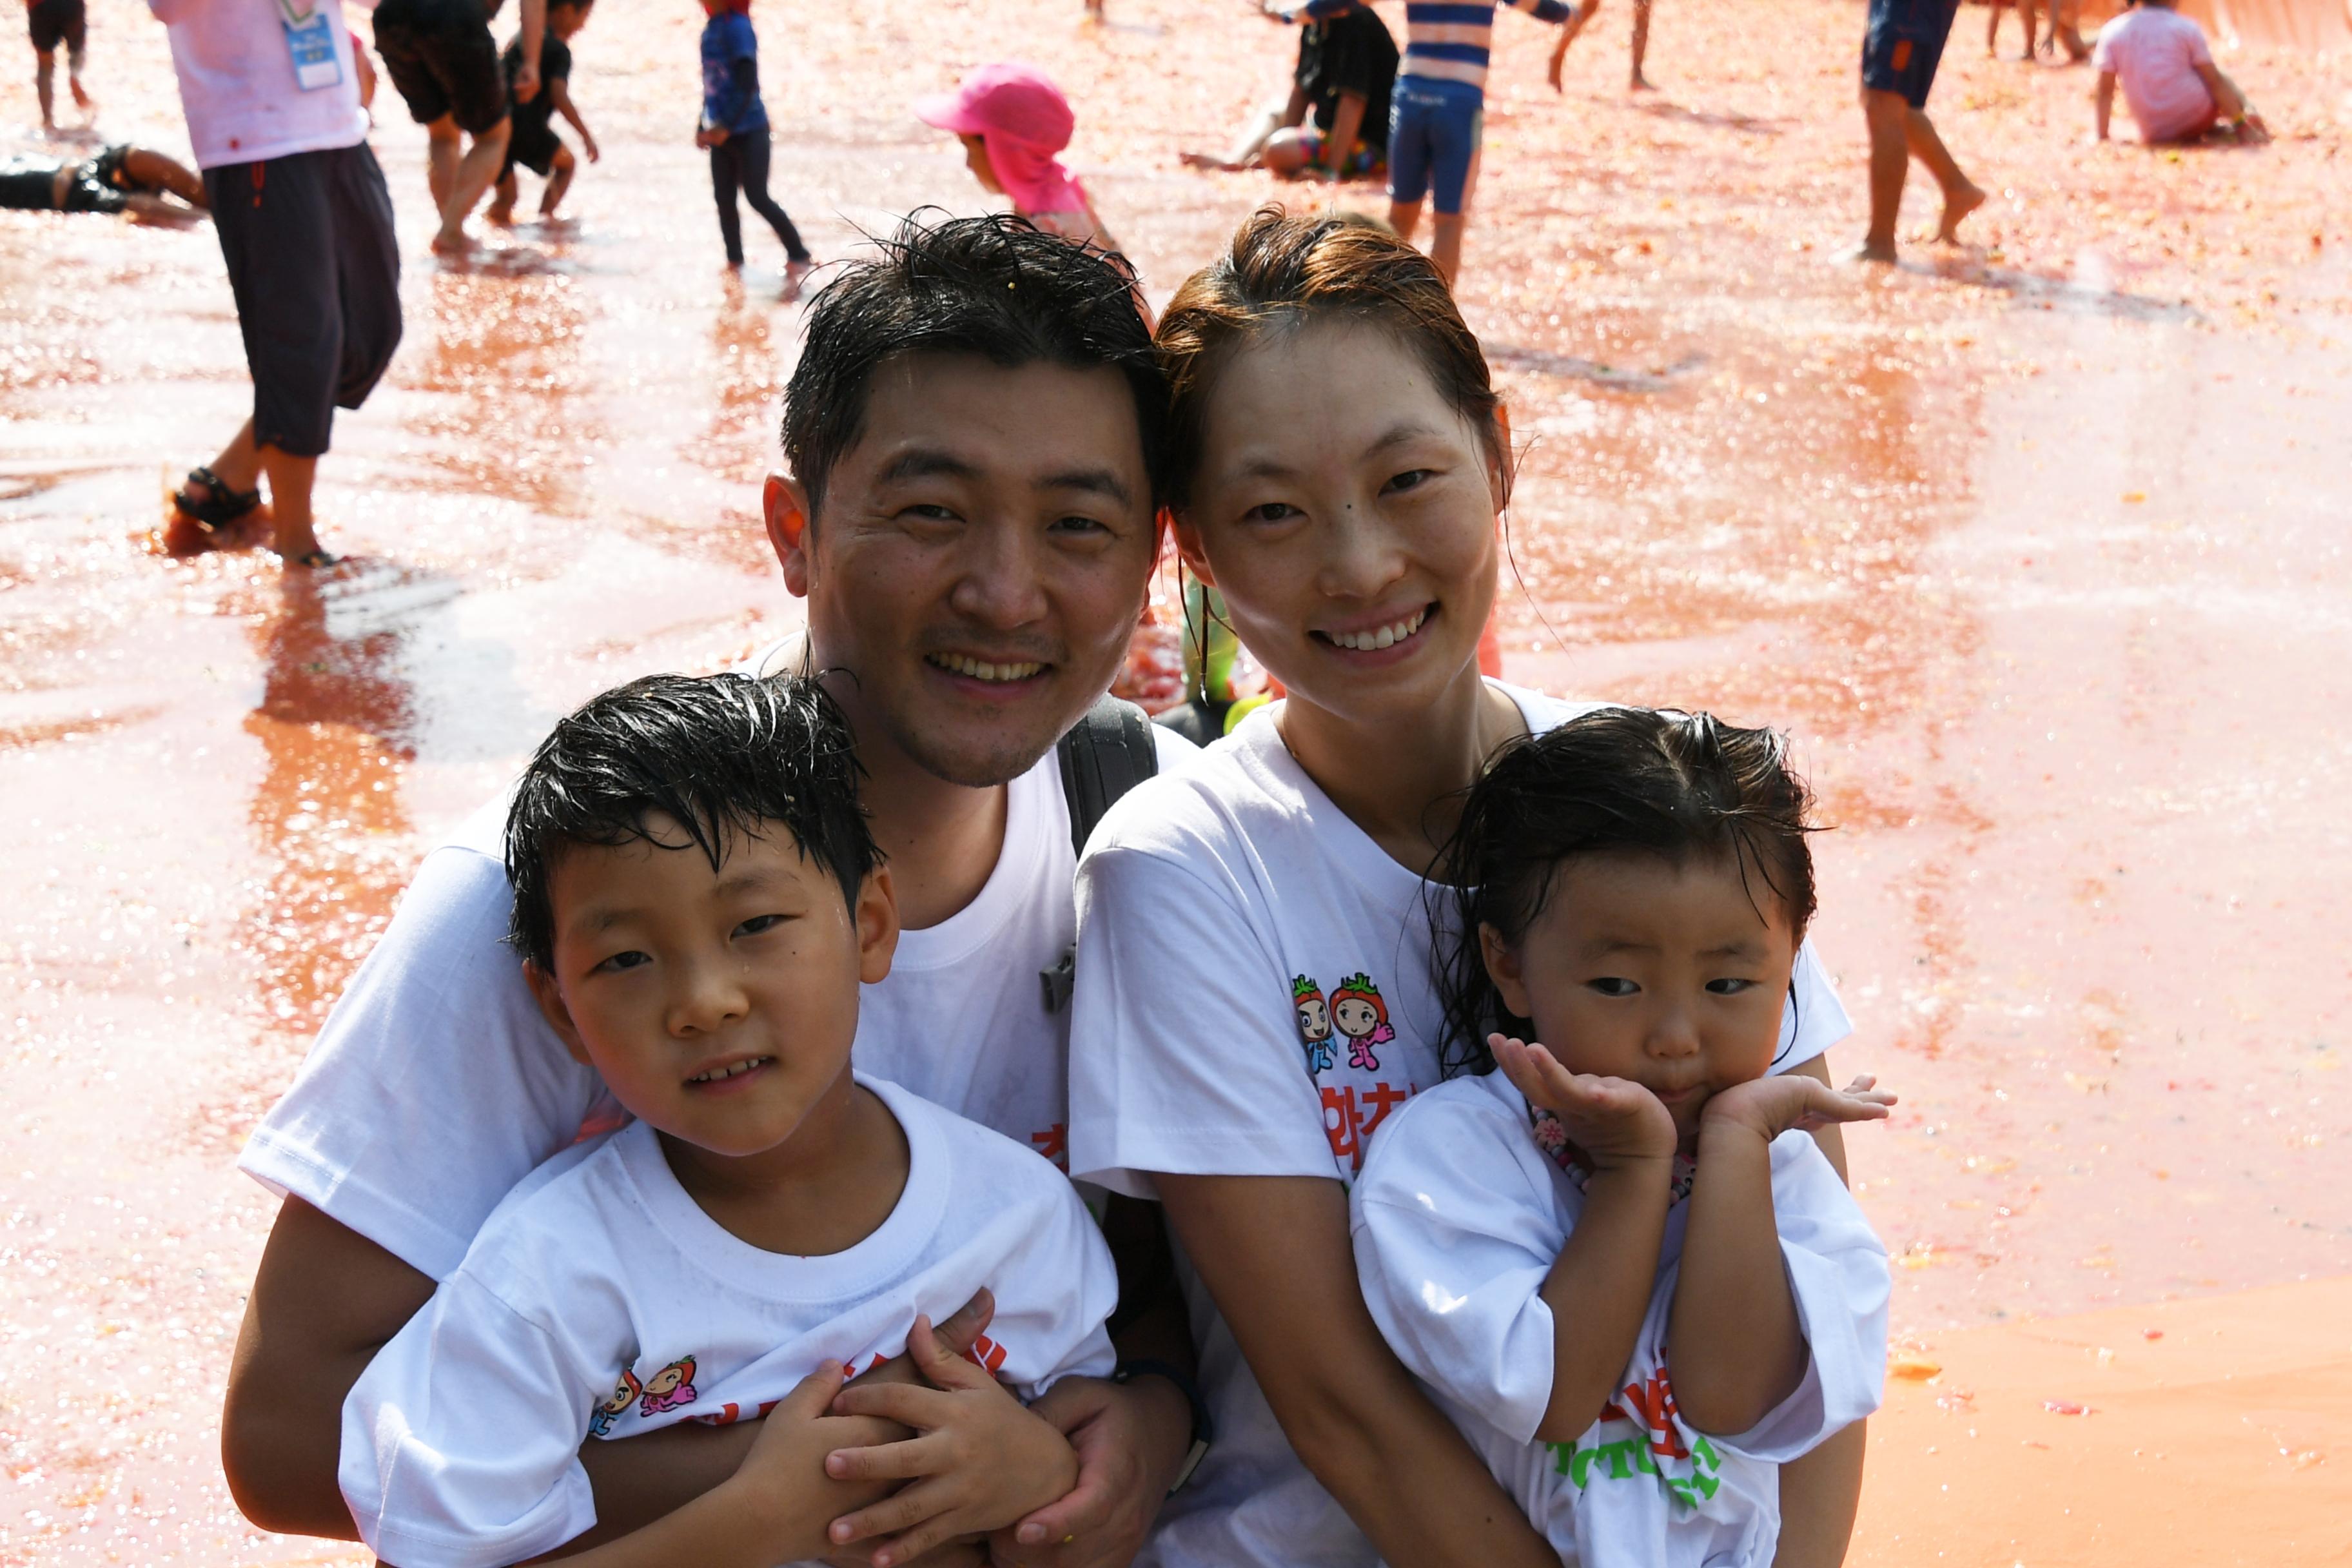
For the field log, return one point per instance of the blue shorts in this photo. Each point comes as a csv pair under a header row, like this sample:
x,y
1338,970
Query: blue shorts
x,y
1904,45
1433,133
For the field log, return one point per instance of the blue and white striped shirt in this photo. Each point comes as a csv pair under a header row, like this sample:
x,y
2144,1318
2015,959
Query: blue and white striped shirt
x,y
1450,40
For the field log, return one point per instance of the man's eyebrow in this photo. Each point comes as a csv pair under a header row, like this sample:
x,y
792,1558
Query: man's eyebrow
x,y
928,462
1099,482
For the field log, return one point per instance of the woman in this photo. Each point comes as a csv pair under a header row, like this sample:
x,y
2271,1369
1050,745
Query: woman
x,y
1341,460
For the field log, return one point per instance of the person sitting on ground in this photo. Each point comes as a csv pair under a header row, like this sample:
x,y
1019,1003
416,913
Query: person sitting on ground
x,y
531,140
2171,86
698,902
51,23
1345,73
124,178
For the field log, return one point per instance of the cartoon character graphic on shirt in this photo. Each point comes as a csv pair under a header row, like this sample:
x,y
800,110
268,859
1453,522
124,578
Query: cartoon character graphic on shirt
x,y
671,1388
624,1394
1358,1012
1314,1021
1691,1473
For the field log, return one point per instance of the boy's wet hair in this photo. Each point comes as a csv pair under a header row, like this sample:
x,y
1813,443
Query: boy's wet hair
x,y
1616,781
720,755
997,287
1282,271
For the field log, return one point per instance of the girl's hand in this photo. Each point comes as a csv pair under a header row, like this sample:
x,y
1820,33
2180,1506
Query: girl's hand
x,y
794,1437
980,1460
1792,1101
1614,1120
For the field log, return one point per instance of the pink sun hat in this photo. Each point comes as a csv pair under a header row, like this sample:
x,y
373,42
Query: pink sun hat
x,y
1023,120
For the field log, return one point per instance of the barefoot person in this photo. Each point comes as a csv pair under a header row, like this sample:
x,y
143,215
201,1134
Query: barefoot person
x,y
1344,79
123,178
734,128
305,225
51,23
972,435
531,140
444,65
1338,464
2173,88
1900,55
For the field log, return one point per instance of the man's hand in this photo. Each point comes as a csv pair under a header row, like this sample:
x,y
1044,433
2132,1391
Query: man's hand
x,y
526,81
1614,1120
980,1461
1792,1102
1130,1440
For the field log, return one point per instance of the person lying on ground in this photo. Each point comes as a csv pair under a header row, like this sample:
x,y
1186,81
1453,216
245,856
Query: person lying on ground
x,y
1344,78
697,902
531,140
123,178
2171,86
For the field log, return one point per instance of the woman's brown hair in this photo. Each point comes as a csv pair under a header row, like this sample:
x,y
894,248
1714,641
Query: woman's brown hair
x,y
1285,269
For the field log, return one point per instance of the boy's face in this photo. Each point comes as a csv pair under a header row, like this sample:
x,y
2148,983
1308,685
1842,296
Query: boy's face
x,y
563,21
1661,975
719,1006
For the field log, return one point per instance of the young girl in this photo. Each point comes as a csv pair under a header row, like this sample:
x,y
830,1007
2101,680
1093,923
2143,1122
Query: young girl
x,y
1543,1243
735,128
1013,121
1336,468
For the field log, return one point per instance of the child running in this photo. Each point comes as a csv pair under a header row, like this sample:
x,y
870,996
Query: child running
x,y
698,900
531,140
1637,1192
51,23
1013,123
735,128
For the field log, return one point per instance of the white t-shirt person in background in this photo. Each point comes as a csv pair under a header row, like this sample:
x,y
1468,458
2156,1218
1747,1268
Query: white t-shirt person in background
x,y
698,899
2171,86
1614,1257
1254,996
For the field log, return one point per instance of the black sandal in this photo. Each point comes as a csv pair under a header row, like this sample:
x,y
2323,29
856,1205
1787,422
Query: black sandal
x,y
315,559
221,505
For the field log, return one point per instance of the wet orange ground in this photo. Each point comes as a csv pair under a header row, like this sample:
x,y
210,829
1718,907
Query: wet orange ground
x,y
2041,547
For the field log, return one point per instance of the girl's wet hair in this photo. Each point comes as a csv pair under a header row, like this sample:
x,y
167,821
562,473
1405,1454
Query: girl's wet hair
x,y
719,755
1616,781
1285,270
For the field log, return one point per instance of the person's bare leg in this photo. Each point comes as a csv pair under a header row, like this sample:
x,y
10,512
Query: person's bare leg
x,y
472,177
444,145
1640,84
1961,195
559,180
239,463
44,85
1890,163
502,200
1404,218
1445,244
73,80
291,479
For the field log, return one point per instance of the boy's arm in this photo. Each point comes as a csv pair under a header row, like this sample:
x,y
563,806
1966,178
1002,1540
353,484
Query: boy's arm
x,y
534,25
560,92
2102,105
2226,96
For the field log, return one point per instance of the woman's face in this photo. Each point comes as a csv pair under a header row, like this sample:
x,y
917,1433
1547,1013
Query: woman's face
x,y
1347,510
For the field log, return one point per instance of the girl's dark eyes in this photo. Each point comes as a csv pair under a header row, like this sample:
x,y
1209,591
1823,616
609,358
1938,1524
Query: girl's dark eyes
x,y
621,961
757,924
1613,986
1411,478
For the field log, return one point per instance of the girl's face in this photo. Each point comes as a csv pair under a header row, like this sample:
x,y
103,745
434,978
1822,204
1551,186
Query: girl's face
x,y
1348,512
975,158
1355,1018
1660,974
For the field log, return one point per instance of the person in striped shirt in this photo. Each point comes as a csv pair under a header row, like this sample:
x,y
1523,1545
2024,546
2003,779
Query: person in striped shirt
x,y
1436,115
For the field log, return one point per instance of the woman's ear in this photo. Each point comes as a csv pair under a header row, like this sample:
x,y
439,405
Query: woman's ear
x,y
1188,547
784,502
552,1007
1503,969
877,926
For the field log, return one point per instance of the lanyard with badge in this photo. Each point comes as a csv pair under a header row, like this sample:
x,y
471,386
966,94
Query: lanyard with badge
x,y
310,40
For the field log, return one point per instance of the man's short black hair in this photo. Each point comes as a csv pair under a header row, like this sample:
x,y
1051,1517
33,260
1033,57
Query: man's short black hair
x,y
718,754
998,287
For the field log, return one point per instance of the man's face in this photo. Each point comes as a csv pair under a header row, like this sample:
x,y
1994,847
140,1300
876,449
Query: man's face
x,y
978,559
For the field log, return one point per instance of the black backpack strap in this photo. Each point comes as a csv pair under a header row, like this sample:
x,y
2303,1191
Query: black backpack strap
x,y
1107,753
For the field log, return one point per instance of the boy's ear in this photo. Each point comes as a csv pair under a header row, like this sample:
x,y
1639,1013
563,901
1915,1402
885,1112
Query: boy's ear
x,y
1188,546
784,501
552,1007
1503,969
877,926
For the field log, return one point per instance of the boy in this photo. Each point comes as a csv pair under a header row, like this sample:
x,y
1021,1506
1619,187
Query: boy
x,y
531,140
443,61
698,900
2173,88
55,22
1900,55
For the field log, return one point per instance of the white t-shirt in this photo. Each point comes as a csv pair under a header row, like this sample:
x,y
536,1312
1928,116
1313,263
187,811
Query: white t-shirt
x,y
238,81
1255,997
601,1300
436,1085
1458,1218
2155,54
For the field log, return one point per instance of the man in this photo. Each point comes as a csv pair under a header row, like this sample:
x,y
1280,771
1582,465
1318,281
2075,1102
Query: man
x,y
1900,55
445,64
305,225
972,436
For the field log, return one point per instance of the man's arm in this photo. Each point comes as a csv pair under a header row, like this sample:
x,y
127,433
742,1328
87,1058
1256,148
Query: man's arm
x,y
534,25
1275,1253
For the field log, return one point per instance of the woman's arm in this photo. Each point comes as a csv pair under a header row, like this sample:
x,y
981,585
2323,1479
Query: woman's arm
x,y
1274,1254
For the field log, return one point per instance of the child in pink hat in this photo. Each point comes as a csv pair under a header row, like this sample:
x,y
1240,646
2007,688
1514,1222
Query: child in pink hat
x,y
1014,120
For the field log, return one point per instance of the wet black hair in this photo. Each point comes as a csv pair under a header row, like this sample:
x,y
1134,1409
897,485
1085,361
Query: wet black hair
x,y
718,754
998,287
1638,781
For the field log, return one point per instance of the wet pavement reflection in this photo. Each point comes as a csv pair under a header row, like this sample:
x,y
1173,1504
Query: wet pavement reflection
x,y
2038,548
